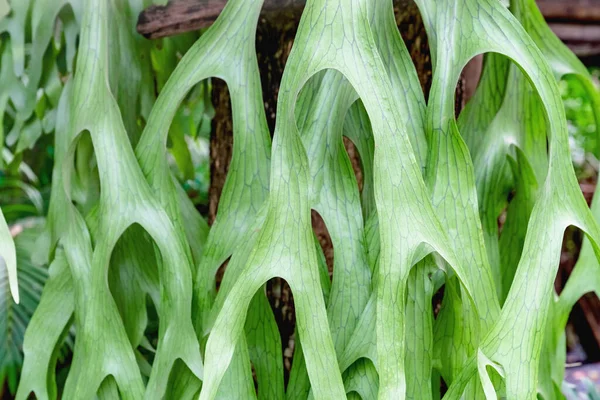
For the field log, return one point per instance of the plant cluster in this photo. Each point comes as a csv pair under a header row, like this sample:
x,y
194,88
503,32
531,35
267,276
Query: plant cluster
x,y
126,242
38,50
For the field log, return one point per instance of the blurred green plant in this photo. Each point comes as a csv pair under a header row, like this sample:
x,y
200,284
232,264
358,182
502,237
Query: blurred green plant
x,y
581,123
590,393
15,318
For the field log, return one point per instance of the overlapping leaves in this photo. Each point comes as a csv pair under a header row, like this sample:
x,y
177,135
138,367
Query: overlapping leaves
x,y
124,231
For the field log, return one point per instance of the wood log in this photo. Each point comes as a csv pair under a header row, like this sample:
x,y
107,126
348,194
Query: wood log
x,y
571,20
587,11
582,39
180,16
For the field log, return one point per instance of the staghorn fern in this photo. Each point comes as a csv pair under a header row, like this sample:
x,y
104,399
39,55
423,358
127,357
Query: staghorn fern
x,y
122,229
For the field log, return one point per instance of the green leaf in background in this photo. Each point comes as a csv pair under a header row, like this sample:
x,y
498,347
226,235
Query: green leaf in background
x,y
4,8
8,259
15,318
